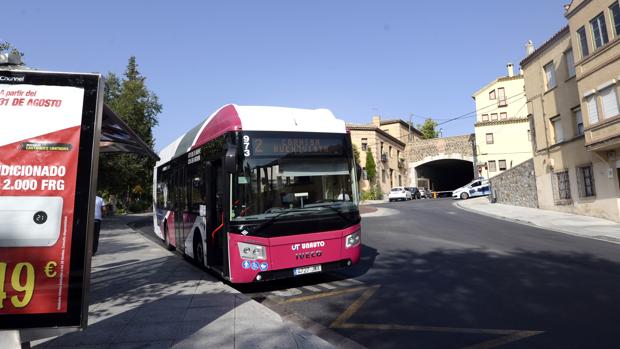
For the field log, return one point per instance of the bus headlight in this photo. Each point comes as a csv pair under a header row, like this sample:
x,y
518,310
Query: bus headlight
x,y
251,251
353,239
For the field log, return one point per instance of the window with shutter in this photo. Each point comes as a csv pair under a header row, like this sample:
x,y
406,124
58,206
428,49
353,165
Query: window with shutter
x,y
578,122
609,101
570,63
592,109
501,96
550,76
557,129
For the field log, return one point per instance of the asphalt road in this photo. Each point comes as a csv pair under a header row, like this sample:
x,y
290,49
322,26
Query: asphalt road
x,y
435,276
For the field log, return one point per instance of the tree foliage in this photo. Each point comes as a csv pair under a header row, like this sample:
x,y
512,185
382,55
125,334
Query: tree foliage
x,y
371,167
356,154
129,176
428,129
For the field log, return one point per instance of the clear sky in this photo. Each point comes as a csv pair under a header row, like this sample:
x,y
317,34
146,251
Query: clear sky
x,y
356,58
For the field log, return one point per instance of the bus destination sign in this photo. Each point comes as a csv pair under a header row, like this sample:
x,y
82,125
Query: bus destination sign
x,y
265,146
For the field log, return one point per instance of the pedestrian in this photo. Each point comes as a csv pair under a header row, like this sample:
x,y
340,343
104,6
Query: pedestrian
x,y
98,216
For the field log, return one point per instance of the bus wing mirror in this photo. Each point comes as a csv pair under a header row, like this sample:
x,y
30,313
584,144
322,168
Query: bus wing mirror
x,y
230,161
358,172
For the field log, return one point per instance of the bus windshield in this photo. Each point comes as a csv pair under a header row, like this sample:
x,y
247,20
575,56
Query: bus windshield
x,y
288,182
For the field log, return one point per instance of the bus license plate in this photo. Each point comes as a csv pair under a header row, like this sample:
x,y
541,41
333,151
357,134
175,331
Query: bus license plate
x,y
307,270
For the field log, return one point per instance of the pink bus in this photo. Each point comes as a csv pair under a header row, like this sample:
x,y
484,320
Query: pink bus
x,y
261,193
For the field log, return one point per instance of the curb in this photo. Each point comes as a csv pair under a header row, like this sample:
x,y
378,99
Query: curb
x,y
531,224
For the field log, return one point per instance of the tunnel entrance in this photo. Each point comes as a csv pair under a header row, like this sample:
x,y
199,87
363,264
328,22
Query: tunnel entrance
x,y
445,175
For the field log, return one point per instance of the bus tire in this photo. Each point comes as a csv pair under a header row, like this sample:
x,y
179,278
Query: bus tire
x,y
166,239
464,196
199,255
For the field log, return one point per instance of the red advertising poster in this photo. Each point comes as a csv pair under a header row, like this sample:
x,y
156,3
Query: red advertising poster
x,y
38,168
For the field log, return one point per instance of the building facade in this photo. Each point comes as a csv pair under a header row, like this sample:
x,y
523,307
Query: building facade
x,y
572,92
502,128
387,141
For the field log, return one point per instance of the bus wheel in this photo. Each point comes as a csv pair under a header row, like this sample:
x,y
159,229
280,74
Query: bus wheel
x,y
166,240
199,253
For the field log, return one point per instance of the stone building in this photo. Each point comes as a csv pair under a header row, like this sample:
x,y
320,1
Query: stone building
x,y
502,128
387,141
571,84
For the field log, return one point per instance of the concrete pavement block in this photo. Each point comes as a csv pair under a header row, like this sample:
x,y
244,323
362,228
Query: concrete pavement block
x,y
217,333
276,339
213,300
206,315
151,332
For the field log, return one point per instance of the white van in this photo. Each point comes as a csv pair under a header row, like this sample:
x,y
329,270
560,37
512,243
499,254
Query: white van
x,y
477,187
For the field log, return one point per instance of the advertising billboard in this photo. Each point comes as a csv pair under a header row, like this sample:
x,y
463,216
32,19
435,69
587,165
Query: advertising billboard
x,y
48,161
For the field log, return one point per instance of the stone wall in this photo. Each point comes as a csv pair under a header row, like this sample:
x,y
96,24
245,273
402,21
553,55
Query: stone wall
x,y
426,148
516,186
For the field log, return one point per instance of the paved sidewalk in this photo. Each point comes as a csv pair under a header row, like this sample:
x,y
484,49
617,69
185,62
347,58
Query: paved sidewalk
x,y
584,226
143,296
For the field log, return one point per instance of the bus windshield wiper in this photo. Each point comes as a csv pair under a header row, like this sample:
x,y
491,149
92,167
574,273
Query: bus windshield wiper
x,y
330,206
274,218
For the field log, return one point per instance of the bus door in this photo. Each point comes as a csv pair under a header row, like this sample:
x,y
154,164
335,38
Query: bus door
x,y
180,206
216,232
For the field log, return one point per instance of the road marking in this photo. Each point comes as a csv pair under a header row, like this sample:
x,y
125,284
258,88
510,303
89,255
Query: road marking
x,y
416,328
493,343
288,292
322,295
312,288
508,336
342,283
327,286
353,308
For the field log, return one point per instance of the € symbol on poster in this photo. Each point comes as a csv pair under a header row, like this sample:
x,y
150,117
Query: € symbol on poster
x,y
50,269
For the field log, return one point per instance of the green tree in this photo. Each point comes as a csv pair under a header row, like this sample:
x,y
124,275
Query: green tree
x,y
356,154
428,129
371,167
129,176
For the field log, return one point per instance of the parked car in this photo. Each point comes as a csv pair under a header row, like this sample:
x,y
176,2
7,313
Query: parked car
x,y
424,193
399,193
477,187
415,193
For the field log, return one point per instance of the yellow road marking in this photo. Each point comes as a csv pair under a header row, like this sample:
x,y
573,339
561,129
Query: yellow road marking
x,y
493,343
425,328
353,308
507,336
322,295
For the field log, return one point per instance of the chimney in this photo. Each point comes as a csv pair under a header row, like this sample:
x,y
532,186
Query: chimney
x,y
376,120
511,70
529,48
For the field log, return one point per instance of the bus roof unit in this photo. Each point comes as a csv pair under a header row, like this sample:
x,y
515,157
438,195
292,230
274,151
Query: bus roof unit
x,y
232,117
